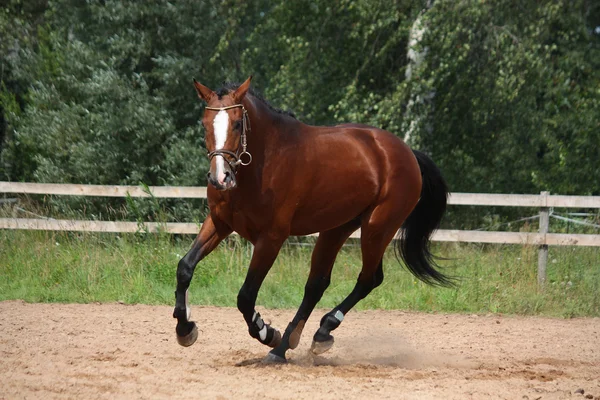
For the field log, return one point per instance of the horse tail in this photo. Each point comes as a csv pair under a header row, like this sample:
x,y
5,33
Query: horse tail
x,y
415,235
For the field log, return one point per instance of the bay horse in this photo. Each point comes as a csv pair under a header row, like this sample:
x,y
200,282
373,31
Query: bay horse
x,y
272,176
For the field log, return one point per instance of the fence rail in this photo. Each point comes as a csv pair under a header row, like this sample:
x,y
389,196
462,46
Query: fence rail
x,y
197,192
66,189
442,235
543,201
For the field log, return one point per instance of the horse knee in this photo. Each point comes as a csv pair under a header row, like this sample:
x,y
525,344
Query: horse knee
x,y
185,271
244,301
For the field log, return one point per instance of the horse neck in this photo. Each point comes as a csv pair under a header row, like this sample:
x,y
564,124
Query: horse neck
x,y
265,132
264,139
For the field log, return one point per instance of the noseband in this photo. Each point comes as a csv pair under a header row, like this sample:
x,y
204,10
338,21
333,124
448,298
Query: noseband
x,y
237,156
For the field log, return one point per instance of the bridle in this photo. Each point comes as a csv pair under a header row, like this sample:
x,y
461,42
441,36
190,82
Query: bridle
x,y
237,156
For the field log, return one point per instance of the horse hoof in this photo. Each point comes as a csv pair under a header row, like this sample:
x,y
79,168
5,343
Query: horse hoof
x,y
190,338
276,341
273,359
321,347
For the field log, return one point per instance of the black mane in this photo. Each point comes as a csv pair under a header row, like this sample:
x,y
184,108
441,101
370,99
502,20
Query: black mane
x,y
228,87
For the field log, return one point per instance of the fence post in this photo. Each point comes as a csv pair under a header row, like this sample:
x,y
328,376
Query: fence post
x,y
543,251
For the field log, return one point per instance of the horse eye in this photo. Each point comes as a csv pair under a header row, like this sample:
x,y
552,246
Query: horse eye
x,y
237,125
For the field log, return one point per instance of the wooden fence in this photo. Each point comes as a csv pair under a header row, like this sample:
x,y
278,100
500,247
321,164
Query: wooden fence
x,y
544,201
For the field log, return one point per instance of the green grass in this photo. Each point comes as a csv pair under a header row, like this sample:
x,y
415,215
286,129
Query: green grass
x,y
68,267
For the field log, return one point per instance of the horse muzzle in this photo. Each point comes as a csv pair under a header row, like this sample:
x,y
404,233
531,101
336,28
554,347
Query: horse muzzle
x,y
224,182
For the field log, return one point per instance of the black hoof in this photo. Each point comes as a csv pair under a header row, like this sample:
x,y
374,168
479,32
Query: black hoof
x,y
189,338
321,347
273,359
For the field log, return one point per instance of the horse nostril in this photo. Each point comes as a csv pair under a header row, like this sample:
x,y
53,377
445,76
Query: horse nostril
x,y
210,178
227,176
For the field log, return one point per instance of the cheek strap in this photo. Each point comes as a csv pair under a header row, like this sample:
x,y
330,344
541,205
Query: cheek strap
x,y
244,157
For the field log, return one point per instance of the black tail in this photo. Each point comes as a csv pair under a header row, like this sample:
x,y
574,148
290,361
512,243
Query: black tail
x,y
413,246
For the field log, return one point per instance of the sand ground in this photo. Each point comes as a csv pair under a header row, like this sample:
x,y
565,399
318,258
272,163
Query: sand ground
x,y
119,351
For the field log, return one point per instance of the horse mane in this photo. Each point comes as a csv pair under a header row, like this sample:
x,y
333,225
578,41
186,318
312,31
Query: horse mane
x,y
228,87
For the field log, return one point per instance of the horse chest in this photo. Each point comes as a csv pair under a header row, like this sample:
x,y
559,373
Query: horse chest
x,y
247,220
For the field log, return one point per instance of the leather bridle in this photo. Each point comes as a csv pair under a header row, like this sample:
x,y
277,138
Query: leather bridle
x,y
237,156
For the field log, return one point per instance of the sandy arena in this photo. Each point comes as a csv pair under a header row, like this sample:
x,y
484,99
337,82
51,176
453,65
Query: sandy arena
x,y
117,351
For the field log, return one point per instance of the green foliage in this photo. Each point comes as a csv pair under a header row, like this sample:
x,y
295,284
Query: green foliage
x,y
330,61
504,94
515,95
41,266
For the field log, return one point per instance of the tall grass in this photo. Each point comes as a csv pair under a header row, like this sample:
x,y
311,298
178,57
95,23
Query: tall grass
x,y
72,267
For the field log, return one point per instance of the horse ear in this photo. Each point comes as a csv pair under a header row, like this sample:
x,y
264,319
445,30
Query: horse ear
x,y
241,91
203,92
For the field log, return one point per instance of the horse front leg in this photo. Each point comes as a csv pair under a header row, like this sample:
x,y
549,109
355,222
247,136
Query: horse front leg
x,y
265,253
211,234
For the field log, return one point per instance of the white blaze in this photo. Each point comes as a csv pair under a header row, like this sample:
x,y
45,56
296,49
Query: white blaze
x,y
221,127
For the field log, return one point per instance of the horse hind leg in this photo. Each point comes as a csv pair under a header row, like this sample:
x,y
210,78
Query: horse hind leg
x,y
326,249
378,230
323,340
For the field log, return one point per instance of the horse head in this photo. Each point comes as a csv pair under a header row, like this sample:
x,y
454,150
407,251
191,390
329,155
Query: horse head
x,y
226,124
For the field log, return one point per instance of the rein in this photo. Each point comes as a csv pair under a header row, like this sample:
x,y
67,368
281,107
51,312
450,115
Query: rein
x,y
237,156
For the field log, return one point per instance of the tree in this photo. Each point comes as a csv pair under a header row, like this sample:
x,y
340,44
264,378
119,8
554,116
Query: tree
x,y
515,92
505,99
21,22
